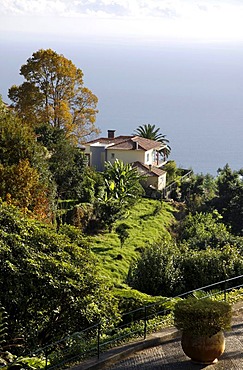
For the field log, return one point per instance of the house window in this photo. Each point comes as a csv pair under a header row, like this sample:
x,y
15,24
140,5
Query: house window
x,y
147,160
112,155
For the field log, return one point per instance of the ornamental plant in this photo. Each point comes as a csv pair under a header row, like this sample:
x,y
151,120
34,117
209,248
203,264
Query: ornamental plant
x,y
202,317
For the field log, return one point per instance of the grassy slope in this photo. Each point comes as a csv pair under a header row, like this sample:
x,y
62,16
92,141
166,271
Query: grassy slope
x,y
146,228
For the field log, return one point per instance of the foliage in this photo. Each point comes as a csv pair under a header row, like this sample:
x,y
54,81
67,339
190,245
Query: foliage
x,y
67,165
80,216
202,316
122,182
50,285
92,186
171,171
145,227
156,272
132,299
203,230
17,140
76,182
53,93
197,191
21,186
3,334
207,253
229,201
204,267
122,232
107,212
121,190
26,363
25,179
223,193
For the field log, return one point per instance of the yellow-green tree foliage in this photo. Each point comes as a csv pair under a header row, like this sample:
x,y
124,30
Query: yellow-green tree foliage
x,y
53,93
24,178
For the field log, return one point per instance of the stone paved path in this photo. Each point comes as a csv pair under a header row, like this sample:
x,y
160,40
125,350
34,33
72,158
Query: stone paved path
x,y
170,356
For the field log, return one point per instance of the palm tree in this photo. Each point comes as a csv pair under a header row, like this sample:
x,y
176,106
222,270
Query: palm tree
x,y
151,132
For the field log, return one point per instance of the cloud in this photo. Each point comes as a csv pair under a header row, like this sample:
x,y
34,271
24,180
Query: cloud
x,y
119,8
194,18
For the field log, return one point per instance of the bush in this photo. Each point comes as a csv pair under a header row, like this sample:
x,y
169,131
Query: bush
x,y
204,230
202,316
131,299
50,284
201,268
156,271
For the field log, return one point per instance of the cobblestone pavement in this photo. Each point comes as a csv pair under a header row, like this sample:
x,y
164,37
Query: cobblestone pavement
x,y
170,356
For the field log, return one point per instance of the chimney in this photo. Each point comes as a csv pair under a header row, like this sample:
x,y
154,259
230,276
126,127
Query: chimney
x,y
111,134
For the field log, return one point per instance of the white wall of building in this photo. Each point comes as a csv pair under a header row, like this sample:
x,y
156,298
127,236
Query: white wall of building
x,y
157,182
127,156
130,156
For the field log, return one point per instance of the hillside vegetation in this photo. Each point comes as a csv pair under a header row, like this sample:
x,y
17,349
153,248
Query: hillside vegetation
x,y
79,247
148,221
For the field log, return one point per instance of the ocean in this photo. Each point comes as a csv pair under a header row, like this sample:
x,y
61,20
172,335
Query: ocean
x,y
192,91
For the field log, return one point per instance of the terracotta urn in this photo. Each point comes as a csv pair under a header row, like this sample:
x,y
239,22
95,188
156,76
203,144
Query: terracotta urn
x,y
203,349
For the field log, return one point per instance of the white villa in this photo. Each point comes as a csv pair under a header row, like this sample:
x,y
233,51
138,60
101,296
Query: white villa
x,y
142,153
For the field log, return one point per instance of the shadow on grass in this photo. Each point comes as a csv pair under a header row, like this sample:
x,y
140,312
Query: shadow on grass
x,y
101,249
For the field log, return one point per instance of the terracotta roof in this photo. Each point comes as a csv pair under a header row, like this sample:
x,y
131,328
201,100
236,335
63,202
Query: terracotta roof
x,y
106,140
147,144
145,169
129,143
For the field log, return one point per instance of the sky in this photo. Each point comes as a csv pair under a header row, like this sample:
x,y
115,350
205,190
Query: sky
x,y
172,19
175,63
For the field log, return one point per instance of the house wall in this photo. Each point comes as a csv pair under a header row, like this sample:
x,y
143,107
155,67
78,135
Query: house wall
x,y
162,182
127,156
97,154
149,157
130,156
157,182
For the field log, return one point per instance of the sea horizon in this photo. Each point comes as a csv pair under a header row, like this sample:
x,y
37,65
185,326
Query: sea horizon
x,y
192,91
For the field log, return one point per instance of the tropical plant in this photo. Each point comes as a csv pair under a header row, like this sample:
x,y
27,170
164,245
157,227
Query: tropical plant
x,y
122,189
122,182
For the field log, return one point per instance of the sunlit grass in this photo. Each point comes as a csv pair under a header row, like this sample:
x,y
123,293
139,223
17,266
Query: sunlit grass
x,y
148,222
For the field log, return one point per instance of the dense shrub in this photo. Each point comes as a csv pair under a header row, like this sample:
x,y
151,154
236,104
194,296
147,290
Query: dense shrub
x,y
201,268
131,299
165,270
49,284
204,230
156,271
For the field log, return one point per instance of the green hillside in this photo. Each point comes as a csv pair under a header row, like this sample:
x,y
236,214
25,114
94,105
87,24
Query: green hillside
x,y
149,221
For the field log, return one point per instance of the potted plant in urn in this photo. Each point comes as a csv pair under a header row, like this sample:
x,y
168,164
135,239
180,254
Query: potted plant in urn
x,y
202,322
